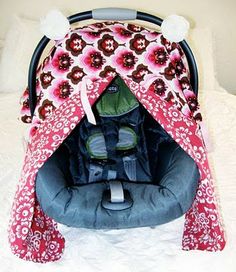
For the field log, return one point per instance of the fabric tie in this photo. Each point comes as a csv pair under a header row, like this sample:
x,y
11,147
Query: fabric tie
x,y
85,101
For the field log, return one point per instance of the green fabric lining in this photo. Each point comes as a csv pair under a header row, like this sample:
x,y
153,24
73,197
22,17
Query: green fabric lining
x,y
117,103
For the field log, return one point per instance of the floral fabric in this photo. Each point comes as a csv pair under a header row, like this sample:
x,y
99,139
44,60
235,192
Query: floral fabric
x,y
156,71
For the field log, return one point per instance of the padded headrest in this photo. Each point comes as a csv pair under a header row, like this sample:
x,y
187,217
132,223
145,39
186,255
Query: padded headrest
x,y
117,99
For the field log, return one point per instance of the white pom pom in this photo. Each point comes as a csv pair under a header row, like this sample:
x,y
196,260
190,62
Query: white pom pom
x,y
55,25
175,28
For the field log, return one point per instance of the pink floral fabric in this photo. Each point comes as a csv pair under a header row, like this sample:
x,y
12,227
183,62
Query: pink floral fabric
x,y
156,71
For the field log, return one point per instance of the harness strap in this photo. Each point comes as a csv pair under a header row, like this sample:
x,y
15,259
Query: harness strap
x,y
130,166
95,172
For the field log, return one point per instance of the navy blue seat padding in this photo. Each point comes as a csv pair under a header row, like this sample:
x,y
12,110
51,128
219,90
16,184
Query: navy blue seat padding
x,y
169,196
80,157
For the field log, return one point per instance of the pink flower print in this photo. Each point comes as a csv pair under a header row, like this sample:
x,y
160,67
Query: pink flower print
x,y
191,100
25,108
25,105
46,79
108,71
157,56
98,25
25,93
179,67
53,247
170,46
125,60
76,75
186,111
139,73
93,34
26,118
158,87
174,115
95,31
93,60
75,44
197,116
178,63
61,62
23,212
46,109
122,32
169,72
33,128
107,44
46,62
134,28
62,91
139,44
184,83
22,230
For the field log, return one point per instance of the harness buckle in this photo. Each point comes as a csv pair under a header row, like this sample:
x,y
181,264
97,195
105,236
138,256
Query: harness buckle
x,y
116,198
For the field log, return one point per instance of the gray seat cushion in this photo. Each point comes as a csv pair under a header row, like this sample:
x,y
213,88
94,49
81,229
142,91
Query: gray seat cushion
x,y
161,201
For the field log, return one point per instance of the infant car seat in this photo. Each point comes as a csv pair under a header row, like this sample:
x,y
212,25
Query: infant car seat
x,y
125,171
115,138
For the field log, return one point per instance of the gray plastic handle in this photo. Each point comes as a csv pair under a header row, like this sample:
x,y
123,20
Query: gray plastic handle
x,y
114,14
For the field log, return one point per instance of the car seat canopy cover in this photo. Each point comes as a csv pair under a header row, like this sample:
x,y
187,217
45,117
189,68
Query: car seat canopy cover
x,y
156,73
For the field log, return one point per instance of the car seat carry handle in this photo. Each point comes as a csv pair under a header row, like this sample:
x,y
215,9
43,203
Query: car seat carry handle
x,y
114,14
